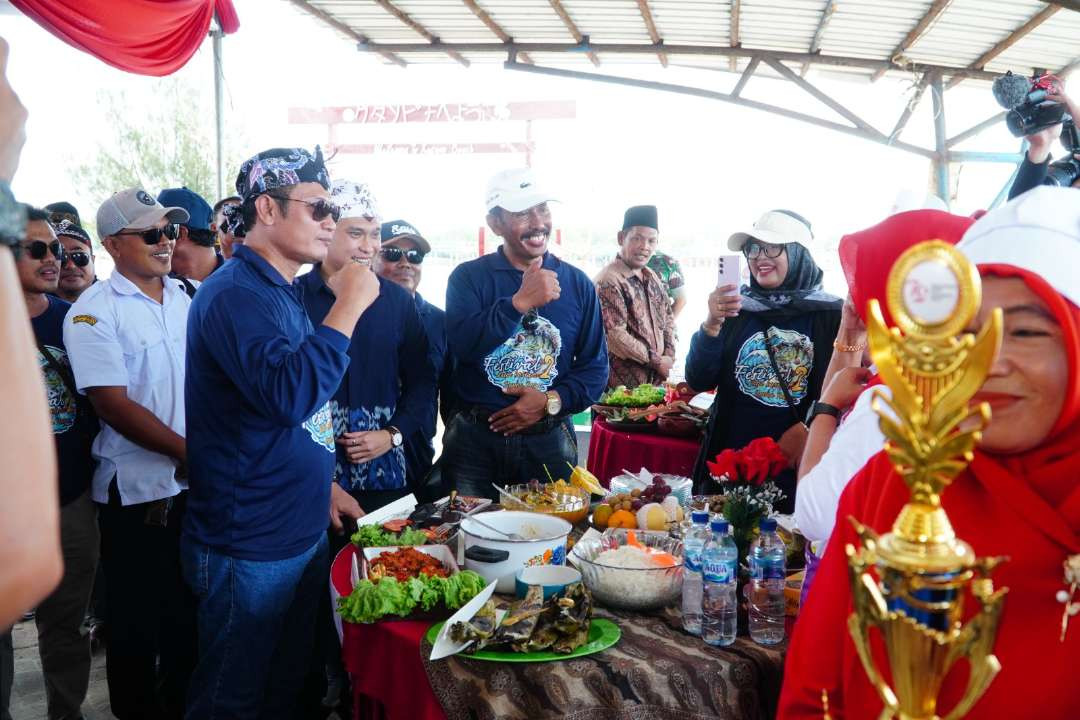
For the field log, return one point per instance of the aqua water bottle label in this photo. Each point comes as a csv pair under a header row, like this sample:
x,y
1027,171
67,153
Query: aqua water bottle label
x,y
717,572
771,570
692,560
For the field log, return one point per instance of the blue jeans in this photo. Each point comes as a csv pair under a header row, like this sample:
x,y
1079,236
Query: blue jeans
x,y
257,624
474,457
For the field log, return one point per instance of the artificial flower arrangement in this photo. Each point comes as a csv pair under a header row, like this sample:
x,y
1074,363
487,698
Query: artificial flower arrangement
x,y
746,480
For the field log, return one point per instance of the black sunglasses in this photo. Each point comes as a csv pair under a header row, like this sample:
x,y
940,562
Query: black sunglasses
x,y
393,255
78,258
38,249
320,209
153,235
754,249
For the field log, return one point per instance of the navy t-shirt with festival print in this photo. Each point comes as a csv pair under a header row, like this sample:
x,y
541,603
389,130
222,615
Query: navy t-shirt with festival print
x,y
559,346
757,399
74,424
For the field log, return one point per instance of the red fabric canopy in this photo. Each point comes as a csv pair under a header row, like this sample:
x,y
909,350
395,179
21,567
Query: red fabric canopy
x,y
148,37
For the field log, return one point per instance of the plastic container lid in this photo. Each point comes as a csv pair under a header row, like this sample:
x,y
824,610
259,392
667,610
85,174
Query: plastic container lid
x,y
699,517
719,525
767,525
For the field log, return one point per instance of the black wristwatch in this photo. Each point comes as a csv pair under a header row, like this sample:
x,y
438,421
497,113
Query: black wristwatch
x,y
822,408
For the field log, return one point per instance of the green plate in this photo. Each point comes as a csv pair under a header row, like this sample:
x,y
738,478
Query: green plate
x,y
602,635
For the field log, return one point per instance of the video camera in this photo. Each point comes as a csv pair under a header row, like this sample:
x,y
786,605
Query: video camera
x,y
1029,110
1065,172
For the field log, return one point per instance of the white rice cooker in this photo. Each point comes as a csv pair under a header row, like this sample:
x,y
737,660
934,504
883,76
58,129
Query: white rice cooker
x,y
494,556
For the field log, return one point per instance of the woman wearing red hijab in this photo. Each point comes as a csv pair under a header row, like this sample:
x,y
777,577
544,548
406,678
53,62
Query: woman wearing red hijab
x,y
1020,497
835,452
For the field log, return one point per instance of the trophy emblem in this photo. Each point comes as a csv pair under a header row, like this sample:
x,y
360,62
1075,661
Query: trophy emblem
x,y
912,582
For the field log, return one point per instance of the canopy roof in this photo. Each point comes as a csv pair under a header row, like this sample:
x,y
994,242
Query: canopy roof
x,y
974,39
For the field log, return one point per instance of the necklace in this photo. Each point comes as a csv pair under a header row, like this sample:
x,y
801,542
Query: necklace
x,y
1072,579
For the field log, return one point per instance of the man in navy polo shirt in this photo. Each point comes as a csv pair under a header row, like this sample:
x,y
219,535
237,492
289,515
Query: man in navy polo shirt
x,y
403,251
261,440
525,331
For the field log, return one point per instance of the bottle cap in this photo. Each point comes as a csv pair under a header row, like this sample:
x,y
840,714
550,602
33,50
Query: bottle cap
x,y
767,525
719,525
699,517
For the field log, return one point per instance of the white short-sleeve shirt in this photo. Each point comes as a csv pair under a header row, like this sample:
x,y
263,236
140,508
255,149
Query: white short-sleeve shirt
x,y
857,439
117,336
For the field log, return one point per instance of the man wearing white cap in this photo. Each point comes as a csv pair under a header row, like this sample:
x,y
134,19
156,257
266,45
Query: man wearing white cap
x,y
525,332
126,339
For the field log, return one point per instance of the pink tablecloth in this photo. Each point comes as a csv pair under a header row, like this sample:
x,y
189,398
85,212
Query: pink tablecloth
x,y
383,660
611,451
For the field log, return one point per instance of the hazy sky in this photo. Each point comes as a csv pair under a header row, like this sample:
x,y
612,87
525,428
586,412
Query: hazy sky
x,y
711,167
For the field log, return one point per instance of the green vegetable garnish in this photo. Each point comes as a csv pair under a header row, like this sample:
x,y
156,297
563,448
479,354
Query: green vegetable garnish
x,y
641,396
370,601
375,536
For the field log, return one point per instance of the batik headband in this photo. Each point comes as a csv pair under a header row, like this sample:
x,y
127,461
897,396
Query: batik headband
x,y
354,199
272,169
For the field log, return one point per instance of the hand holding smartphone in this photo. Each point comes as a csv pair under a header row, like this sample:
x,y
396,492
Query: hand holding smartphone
x,y
728,272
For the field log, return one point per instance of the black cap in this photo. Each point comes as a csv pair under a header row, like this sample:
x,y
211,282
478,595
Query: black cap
x,y
63,211
400,228
641,216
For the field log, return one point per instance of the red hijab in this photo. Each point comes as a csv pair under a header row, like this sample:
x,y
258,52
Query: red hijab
x,y
1050,471
867,256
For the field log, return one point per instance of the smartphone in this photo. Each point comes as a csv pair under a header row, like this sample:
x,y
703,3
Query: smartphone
x,y
728,271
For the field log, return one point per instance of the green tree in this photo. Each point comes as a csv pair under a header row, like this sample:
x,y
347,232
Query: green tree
x,y
164,141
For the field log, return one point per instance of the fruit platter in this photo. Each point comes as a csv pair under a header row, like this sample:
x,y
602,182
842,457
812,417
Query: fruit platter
x,y
652,507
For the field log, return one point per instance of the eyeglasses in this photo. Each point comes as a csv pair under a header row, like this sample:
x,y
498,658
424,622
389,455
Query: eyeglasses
x,y
39,248
393,255
78,258
754,249
153,235
320,209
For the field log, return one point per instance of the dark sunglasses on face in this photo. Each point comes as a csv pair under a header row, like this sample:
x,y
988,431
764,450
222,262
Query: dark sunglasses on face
x,y
393,255
320,209
755,249
78,258
39,248
153,235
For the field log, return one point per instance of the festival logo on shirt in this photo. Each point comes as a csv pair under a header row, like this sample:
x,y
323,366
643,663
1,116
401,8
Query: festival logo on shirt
x,y
61,403
321,427
528,357
754,372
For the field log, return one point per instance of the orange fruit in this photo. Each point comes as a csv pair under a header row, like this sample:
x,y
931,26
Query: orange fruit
x,y
622,519
601,515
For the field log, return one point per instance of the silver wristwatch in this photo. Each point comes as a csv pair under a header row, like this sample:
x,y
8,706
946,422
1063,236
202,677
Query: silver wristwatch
x,y
395,436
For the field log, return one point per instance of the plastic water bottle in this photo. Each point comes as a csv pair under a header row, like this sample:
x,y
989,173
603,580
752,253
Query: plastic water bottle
x,y
767,578
693,544
719,620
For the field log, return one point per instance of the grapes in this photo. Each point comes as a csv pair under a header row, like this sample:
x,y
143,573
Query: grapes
x,y
636,505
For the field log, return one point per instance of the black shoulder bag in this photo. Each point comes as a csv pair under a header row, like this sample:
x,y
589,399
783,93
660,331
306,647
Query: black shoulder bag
x,y
780,378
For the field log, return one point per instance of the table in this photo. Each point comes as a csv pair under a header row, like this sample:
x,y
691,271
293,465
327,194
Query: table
x,y
612,450
655,672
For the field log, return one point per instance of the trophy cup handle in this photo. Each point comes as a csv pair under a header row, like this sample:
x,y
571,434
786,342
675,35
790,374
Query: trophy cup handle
x,y
870,604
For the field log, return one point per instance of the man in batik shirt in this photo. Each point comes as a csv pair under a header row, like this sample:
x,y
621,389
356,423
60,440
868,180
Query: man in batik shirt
x,y
638,318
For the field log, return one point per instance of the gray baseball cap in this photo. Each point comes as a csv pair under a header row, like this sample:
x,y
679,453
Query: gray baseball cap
x,y
134,208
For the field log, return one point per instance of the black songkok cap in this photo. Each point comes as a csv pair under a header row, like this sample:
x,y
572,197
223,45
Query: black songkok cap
x,y
641,216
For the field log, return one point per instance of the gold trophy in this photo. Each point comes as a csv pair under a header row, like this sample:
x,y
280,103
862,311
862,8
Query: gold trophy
x,y
915,596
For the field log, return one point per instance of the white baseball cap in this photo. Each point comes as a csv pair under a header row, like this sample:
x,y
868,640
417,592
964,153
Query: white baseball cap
x,y
515,190
1039,232
778,227
134,208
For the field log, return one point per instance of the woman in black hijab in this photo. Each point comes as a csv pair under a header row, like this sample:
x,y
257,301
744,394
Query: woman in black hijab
x,y
765,350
